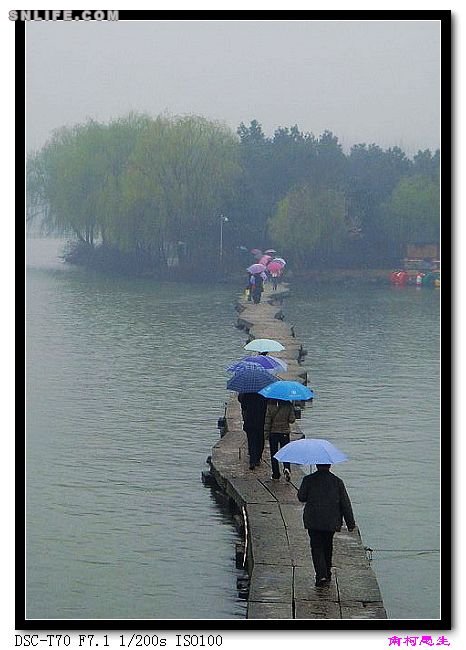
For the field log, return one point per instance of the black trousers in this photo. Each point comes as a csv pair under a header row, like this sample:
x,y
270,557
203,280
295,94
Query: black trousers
x,y
321,551
255,444
276,441
256,295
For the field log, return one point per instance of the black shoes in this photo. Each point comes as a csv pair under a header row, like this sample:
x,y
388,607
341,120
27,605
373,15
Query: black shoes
x,y
321,582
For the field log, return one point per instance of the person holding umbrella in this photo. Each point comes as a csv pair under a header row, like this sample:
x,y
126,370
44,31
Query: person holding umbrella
x,y
327,503
253,407
278,417
257,288
247,381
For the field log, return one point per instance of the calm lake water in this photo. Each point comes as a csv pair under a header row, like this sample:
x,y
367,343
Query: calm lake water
x,y
125,382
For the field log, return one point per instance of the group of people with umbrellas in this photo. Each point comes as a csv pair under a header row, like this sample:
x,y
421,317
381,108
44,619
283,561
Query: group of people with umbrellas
x,y
267,265
267,407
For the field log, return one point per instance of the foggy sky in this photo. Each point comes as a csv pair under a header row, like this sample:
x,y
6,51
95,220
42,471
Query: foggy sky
x,y
366,81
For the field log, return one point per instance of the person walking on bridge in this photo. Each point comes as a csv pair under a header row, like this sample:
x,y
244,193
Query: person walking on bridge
x,y
253,408
278,417
327,503
257,288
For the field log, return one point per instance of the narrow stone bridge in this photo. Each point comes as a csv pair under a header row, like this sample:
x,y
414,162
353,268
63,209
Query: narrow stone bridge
x,y
277,553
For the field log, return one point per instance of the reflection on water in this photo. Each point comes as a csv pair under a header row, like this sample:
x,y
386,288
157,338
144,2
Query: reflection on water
x,y
125,381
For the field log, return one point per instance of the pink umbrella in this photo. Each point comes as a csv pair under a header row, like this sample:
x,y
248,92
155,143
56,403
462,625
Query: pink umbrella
x,y
265,259
256,251
274,267
256,268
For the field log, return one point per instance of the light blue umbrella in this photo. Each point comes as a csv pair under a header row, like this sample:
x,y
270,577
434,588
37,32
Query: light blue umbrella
x,y
310,451
268,363
250,379
264,345
289,391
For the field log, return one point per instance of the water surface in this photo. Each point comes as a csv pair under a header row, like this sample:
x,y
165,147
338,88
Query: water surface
x,y
125,381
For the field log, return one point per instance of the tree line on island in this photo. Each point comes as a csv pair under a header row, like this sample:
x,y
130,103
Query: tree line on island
x,y
150,195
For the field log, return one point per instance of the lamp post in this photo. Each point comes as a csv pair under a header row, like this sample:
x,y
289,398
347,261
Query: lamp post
x,y
223,220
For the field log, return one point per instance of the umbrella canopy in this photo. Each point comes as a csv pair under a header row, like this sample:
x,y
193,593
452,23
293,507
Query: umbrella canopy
x,y
251,379
289,391
283,365
275,267
256,268
256,251
268,363
264,345
265,259
280,260
310,451
270,251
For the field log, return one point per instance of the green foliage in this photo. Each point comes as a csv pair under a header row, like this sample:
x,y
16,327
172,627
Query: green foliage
x,y
309,224
412,213
153,189
136,183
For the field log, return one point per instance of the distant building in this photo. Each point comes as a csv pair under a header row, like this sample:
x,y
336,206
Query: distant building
x,y
422,251
422,256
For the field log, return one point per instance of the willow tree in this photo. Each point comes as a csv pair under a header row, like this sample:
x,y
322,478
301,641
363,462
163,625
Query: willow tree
x,y
183,168
309,225
65,178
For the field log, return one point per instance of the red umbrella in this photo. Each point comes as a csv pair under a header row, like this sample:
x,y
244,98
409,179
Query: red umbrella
x,y
275,267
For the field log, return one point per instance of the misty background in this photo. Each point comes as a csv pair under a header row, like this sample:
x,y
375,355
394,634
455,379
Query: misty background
x,y
366,81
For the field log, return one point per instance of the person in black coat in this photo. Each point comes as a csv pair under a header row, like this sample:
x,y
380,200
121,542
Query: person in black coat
x,y
327,503
257,288
253,407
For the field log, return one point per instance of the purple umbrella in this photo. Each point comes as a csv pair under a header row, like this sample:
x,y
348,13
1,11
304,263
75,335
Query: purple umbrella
x,y
256,268
268,363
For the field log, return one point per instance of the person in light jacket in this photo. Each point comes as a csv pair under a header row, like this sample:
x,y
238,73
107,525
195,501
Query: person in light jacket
x,y
278,417
327,503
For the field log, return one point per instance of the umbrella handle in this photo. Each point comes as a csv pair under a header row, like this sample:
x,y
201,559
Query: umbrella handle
x,y
225,410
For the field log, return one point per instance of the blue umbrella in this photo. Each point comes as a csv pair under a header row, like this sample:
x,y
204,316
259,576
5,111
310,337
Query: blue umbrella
x,y
268,363
310,451
288,390
250,379
264,345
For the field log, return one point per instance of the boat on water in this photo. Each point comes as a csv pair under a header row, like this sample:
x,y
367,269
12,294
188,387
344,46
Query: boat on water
x,y
418,272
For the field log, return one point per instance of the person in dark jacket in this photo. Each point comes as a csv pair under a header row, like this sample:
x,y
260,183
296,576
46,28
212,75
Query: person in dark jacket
x,y
249,286
253,408
327,503
257,288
